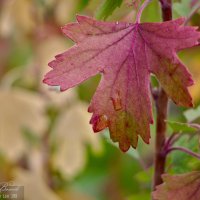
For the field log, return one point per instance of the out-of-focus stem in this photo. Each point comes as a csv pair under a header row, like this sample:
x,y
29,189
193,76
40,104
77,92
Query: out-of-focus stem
x,y
160,156
166,6
161,110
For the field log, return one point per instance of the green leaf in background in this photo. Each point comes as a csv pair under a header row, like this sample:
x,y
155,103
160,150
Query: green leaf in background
x,y
183,127
182,8
154,81
31,138
192,114
145,176
20,54
185,7
107,8
87,89
152,12
82,4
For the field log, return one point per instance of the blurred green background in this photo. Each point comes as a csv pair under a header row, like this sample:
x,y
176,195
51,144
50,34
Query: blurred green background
x,y
46,142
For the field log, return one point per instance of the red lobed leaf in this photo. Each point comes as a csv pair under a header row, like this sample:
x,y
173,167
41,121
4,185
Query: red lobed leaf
x,y
179,187
125,54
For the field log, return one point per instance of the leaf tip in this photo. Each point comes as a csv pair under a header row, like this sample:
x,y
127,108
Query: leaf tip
x,y
62,89
99,123
81,18
191,104
124,146
52,64
45,80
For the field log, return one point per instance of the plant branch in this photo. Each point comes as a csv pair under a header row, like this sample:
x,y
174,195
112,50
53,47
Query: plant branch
x,y
176,136
166,6
160,157
185,150
161,110
171,140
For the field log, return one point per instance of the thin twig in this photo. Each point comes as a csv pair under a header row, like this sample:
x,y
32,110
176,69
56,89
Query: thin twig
x,y
185,150
193,11
176,138
179,135
170,140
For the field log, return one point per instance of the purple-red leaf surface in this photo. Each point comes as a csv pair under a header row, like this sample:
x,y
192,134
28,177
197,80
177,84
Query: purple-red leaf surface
x,y
179,187
125,54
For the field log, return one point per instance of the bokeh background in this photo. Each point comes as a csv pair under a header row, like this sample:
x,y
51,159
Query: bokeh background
x,y
46,142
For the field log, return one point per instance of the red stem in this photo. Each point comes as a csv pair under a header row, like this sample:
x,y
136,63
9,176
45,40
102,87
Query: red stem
x,y
166,6
160,156
161,110
172,139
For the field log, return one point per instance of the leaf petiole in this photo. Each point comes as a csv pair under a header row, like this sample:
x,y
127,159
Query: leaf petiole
x,y
143,6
